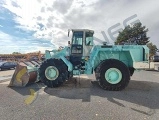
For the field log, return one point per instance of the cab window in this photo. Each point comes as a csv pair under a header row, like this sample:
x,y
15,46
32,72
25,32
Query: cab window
x,y
89,39
77,38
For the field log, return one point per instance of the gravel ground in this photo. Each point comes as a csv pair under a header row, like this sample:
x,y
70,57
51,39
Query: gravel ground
x,y
83,100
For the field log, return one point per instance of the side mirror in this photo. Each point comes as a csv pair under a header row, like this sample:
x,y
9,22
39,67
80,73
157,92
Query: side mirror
x,y
69,43
68,32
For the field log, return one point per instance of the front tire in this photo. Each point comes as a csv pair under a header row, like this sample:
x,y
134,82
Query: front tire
x,y
113,75
53,72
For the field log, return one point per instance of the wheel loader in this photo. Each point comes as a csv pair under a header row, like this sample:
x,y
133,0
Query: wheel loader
x,y
112,65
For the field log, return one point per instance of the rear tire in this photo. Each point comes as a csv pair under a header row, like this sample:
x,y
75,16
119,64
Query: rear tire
x,y
112,75
53,72
131,69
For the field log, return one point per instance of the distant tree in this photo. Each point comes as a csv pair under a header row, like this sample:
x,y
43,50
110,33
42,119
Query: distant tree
x,y
16,53
153,49
133,34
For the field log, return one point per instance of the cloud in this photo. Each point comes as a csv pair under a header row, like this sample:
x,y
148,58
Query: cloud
x,y
5,37
51,19
7,43
61,6
10,44
1,26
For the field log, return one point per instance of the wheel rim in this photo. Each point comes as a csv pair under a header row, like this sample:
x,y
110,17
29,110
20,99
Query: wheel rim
x,y
51,73
113,75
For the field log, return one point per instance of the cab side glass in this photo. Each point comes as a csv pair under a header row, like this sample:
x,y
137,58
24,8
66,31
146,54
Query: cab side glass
x,y
77,38
89,39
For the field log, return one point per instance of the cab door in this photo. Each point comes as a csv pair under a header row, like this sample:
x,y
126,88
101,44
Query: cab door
x,y
76,47
88,43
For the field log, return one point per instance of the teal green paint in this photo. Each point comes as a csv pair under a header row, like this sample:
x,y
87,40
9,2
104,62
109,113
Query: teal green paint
x,y
125,53
76,72
32,69
113,76
68,63
47,54
60,54
51,73
128,54
146,53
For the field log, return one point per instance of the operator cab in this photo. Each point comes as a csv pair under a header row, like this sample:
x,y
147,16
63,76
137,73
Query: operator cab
x,y
82,41
81,45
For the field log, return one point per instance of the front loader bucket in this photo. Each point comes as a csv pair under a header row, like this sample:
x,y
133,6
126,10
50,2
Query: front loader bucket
x,y
25,73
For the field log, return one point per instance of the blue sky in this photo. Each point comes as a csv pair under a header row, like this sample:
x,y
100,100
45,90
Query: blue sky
x,y
33,25
14,38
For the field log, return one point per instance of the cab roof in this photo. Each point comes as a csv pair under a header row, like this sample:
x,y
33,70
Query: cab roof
x,y
85,30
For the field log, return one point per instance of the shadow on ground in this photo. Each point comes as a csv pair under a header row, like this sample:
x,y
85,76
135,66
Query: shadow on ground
x,y
142,93
26,90
138,92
